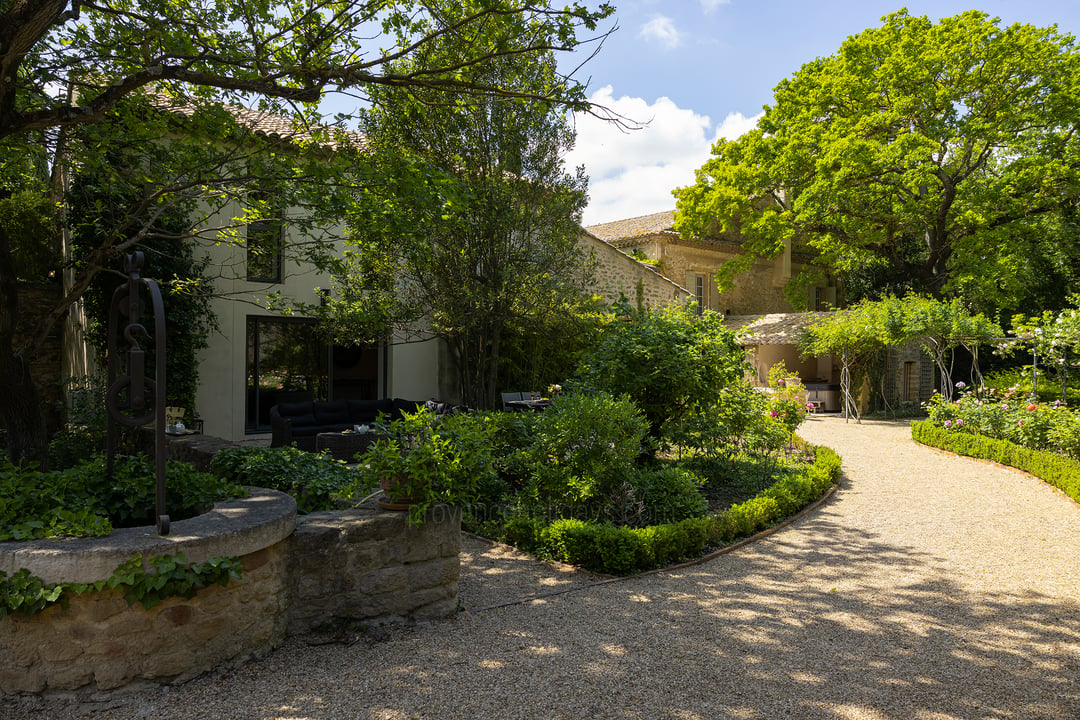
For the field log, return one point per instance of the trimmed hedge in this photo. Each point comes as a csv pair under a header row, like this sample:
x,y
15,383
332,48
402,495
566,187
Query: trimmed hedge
x,y
603,547
1059,471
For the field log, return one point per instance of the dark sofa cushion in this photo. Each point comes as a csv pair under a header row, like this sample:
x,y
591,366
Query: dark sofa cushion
x,y
299,414
364,411
405,406
332,413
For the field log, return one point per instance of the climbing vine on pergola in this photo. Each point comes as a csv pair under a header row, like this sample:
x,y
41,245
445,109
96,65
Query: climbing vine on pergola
x,y
858,334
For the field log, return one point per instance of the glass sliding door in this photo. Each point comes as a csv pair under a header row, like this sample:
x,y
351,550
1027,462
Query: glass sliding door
x,y
286,362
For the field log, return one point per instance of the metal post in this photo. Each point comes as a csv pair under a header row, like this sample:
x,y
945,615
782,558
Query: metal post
x,y
126,397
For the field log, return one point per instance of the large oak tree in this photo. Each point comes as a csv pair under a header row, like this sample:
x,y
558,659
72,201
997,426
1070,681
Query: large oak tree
x,y
86,78
938,157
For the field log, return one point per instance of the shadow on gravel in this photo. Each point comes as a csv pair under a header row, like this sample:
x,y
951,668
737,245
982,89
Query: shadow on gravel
x,y
825,622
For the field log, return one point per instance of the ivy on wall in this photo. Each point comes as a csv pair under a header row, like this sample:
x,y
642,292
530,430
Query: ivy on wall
x,y
170,576
97,208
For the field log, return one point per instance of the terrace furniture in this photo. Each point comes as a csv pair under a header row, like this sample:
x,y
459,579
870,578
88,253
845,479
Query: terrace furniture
x,y
301,423
345,445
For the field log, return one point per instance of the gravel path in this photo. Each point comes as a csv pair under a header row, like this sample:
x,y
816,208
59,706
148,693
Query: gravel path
x,y
929,587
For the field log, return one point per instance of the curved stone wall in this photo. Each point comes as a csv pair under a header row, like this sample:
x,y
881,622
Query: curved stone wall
x,y
98,640
358,564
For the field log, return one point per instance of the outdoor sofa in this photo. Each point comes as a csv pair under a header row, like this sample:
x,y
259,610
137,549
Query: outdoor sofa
x,y
300,423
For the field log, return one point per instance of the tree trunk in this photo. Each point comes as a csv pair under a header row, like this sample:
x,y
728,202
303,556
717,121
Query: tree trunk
x,y
20,412
20,406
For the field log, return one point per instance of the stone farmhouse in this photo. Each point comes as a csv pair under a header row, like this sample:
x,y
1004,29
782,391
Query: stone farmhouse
x,y
261,357
757,307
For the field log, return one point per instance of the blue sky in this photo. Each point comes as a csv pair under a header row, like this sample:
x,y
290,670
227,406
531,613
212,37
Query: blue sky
x,y
703,69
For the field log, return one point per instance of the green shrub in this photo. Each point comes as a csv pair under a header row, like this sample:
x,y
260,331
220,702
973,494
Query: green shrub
x,y
524,533
70,446
600,547
674,542
1059,471
1065,435
603,547
315,480
669,493
669,362
583,451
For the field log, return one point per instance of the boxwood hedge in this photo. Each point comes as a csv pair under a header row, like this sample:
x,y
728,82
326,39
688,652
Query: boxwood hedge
x,y
1059,471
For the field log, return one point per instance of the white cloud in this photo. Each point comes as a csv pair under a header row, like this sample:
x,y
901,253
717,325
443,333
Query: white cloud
x,y
710,5
662,30
633,172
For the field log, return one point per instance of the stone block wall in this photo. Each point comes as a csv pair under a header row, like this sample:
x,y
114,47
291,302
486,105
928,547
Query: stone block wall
x,y
364,564
619,274
99,641
359,564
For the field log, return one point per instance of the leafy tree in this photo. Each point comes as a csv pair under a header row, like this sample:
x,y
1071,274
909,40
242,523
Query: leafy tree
x,y
121,62
671,363
466,224
940,158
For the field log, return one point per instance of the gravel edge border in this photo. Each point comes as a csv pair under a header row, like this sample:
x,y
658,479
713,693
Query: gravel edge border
x,y
670,568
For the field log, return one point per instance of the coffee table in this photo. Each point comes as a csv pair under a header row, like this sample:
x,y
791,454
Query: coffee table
x,y
345,445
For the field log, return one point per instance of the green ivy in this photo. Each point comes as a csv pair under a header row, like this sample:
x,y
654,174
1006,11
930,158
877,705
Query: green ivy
x,y
315,480
82,502
94,205
170,576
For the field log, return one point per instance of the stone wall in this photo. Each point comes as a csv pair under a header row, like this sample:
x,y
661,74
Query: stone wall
x,y
360,564
365,564
99,641
619,274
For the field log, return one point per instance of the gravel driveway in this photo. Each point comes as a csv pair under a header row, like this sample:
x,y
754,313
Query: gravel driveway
x,y
929,587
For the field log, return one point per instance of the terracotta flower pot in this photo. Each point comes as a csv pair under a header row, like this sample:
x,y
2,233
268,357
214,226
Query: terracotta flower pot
x,y
399,493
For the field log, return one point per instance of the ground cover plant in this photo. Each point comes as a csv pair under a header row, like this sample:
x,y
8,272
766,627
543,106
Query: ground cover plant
x,y
81,501
315,480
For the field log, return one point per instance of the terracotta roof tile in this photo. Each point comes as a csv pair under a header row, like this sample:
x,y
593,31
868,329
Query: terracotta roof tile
x,y
642,226
267,124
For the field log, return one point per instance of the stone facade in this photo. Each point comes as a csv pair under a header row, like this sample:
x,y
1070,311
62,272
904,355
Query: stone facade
x,y
619,275
909,375
367,564
99,641
692,263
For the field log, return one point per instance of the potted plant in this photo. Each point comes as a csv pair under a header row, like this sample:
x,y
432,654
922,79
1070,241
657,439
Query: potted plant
x,y
424,459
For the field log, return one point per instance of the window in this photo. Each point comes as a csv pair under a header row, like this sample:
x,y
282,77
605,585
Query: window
x,y
286,362
264,241
698,285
